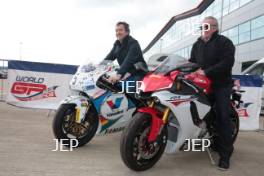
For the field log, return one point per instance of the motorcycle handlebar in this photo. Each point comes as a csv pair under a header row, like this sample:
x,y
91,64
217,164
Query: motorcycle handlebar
x,y
105,77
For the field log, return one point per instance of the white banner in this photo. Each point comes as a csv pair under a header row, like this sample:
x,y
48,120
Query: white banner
x,y
43,87
249,110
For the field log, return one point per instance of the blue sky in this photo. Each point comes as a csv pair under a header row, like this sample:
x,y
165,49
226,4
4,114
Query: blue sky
x,y
74,31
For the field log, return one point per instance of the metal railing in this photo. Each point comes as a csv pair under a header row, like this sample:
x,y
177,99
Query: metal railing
x,y
3,78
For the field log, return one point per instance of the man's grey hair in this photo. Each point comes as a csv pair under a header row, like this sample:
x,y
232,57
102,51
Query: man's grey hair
x,y
212,18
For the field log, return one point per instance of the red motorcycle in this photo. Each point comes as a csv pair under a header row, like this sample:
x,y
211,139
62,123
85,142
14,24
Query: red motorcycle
x,y
179,109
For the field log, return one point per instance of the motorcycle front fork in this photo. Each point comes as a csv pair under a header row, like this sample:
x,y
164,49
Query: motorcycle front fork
x,y
165,112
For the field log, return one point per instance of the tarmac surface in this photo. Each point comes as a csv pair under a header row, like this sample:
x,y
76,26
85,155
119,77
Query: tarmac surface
x,y
26,145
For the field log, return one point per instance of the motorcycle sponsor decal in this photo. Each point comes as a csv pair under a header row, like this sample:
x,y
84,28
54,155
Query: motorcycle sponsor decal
x,y
114,113
31,88
89,87
181,97
242,111
86,82
113,130
114,106
89,83
106,123
178,99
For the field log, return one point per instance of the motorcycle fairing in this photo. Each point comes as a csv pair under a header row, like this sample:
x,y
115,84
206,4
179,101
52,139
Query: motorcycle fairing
x,y
187,129
153,82
98,101
85,92
116,105
201,81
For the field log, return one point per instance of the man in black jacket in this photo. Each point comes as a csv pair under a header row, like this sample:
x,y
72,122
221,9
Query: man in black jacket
x,y
128,53
215,54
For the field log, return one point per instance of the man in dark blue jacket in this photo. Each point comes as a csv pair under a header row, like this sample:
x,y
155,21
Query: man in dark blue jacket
x,y
215,54
128,53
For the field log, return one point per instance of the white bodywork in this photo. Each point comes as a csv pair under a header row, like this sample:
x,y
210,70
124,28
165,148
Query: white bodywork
x,y
111,119
186,127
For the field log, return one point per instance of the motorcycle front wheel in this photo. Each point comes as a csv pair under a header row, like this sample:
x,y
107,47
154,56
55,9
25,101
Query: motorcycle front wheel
x,y
65,128
136,152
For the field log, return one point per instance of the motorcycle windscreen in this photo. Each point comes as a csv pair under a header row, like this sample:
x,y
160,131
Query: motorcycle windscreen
x,y
159,79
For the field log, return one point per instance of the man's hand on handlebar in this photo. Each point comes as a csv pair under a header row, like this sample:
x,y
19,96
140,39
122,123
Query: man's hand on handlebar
x,y
193,74
114,78
199,72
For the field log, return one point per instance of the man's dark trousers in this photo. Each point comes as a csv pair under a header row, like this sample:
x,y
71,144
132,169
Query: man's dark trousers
x,y
224,127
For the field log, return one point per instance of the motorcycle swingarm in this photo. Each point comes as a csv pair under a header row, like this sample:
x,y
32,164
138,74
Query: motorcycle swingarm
x,y
156,122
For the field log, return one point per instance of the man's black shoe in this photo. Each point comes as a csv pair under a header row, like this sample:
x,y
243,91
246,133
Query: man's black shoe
x,y
223,164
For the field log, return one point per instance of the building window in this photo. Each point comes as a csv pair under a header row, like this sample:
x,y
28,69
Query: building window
x,y
233,35
185,52
250,30
217,8
258,70
244,32
233,5
226,7
247,64
243,2
257,28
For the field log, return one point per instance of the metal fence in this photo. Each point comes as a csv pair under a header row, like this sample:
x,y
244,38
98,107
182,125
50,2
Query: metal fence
x,y
3,79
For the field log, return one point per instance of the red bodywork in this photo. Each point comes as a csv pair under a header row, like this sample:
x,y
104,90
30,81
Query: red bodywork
x,y
153,82
201,81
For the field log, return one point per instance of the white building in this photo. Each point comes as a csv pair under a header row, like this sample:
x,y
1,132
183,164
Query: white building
x,y
240,20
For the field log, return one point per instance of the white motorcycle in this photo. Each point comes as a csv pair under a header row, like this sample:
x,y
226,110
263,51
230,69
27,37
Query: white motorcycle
x,y
178,111
95,106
